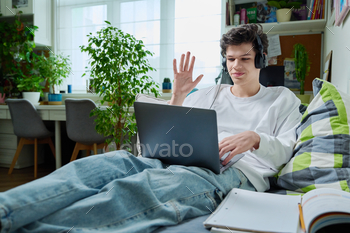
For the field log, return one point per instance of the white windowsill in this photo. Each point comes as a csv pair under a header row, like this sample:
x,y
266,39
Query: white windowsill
x,y
96,98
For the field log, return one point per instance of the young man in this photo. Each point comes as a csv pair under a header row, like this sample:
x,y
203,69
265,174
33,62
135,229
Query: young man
x,y
253,119
118,192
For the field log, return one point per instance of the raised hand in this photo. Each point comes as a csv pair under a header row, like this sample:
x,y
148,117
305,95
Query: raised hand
x,y
183,83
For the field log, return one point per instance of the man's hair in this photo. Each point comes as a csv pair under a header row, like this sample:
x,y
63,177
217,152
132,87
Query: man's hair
x,y
246,33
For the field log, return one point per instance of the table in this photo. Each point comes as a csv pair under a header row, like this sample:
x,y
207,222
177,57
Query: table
x,y
56,113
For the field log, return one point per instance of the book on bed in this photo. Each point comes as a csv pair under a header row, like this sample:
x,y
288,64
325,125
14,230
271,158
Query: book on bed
x,y
247,211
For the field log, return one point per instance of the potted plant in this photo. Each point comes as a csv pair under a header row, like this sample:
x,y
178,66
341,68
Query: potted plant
x,y
119,70
29,79
302,69
284,7
166,85
17,59
55,68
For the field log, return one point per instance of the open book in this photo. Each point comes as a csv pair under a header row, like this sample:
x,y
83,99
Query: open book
x,y
247,211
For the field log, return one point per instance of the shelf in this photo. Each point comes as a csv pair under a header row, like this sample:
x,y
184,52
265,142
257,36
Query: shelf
x,y
38,13
317,25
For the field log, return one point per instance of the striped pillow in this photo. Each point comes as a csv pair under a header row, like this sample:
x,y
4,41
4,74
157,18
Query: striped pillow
x,y
321,156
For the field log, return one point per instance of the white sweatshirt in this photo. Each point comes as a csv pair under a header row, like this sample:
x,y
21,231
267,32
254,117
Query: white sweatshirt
x,y
273,113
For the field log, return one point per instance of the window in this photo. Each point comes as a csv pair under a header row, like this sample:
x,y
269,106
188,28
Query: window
x,y
168,28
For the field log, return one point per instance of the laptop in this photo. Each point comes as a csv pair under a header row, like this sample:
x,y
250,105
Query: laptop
x,y
180,135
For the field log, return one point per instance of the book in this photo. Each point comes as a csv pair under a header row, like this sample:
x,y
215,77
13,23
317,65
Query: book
x,y
318,9
251,15
314,10
309,15
248,211
320,12
323,9
231,7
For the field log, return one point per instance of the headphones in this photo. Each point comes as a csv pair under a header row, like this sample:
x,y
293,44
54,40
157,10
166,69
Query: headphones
x,y
260,57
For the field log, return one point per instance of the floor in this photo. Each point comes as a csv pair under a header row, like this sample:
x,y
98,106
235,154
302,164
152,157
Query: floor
x,y
22,176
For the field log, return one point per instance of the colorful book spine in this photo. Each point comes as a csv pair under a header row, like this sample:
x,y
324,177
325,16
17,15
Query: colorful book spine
x,y
314,10
320,10
231,5
310,10
323,8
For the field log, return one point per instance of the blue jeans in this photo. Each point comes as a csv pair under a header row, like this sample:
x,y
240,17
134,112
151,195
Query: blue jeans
x,y
115,192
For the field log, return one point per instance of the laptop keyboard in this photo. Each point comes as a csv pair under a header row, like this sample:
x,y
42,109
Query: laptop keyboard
x,y
229,164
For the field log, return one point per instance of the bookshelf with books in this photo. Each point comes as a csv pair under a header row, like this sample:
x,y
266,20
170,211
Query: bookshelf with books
x,y
316,23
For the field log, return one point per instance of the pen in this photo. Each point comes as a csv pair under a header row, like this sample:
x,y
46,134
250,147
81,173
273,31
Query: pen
x,y
301,218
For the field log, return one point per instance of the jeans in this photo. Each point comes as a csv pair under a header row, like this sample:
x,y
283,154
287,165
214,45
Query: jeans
x,y
115,192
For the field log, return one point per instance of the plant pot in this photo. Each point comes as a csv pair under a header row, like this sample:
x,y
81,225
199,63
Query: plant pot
x,y
305,99
283,15
166,87
55,99
33,97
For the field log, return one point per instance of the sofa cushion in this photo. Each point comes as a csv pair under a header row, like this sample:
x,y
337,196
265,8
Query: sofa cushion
x,y
321,155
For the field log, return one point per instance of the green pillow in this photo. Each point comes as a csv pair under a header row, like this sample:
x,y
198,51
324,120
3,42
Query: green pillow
x,y
321,155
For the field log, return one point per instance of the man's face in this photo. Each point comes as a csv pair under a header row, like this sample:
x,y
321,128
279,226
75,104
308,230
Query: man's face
x,y
240,64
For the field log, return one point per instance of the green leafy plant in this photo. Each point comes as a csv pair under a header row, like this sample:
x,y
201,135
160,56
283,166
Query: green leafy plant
x,y
17,58
279,4
302,64
29,78
119,70
55,68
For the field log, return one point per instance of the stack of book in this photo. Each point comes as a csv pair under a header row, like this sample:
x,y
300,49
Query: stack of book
x,y
316,9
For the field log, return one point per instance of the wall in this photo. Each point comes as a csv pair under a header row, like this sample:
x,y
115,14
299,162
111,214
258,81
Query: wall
x,y
339,42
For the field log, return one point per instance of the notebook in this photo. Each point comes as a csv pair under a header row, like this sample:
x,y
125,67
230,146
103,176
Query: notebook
x,y
180,135
248,211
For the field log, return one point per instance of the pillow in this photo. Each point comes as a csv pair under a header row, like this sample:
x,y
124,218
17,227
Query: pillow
x,y
321,155
147,99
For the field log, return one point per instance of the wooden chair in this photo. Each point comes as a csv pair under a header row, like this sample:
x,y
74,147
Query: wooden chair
x,y
81,127
28,125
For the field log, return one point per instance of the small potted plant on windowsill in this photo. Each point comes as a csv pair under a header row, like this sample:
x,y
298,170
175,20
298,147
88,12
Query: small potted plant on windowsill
x,y
55,68
284,8
29,79
302,69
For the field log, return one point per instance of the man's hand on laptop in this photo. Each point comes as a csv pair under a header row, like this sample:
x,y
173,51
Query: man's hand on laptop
x,y
183,83
238,144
